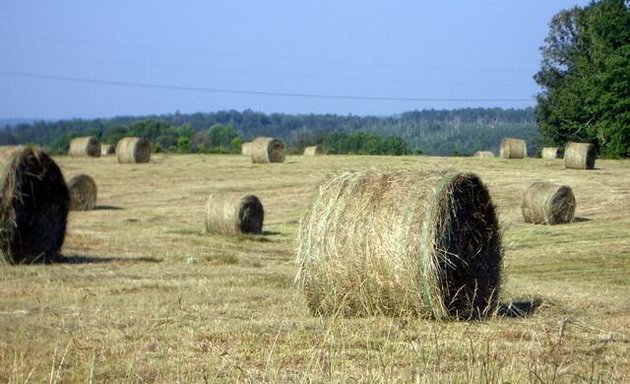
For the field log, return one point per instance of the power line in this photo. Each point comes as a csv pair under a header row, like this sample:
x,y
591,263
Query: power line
x,y
244,55
154,64
243,92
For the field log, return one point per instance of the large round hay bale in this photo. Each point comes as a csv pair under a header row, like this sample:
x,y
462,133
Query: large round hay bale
x,y
88,146
548,203
550,153
232,214
420,243
314,150
579,155
267,150
108,149
7,150
513,149
82,193
133,150
484,154
246,148
33,207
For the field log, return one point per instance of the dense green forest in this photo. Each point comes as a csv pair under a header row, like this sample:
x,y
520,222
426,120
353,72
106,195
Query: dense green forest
x,y
585,78
432,132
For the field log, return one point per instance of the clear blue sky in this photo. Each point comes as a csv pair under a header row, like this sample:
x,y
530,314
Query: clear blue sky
x,y
98,58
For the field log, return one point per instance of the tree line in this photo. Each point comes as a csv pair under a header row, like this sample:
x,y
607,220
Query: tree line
x,y
585,78
432,132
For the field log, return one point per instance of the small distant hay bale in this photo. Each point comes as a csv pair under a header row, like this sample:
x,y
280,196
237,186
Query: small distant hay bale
x,y
108,149
34,203
420,243
234,214
550,153
82,193
314,150
246,148
484,154
88,146
579,155
548,203
267,150
513,149
133,150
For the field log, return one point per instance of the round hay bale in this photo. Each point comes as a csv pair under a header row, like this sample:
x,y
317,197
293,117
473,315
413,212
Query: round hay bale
x,y
548,203
420,243
88,146
82,193
246,148
7,150
579,155
314,150
133,150
33,207
108,149
267,150
484,154
550,153
233,214
513,149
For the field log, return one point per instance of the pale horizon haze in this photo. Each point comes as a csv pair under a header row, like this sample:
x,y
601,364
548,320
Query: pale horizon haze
x,y
99,59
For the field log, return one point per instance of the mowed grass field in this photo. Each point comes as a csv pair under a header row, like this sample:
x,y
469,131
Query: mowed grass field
x,y
146,296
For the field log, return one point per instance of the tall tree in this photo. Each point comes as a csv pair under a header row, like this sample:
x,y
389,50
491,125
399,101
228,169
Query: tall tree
x,y
585,78
221,137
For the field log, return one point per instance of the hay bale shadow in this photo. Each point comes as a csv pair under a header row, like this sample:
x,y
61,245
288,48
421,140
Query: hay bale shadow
x,y
108,208
263,237
580,219
520,308
80,259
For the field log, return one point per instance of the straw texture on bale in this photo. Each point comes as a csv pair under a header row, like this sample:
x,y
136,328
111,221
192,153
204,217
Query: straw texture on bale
x,y
108,149
88,146
267,150
233,214
513,149
484,154
421,243
246,148
314,150
33,207
548,203
7,150
82,193
133,150
579,155
550,153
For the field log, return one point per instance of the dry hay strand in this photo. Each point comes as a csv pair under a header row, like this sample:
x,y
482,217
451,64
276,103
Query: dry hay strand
x,y
233,214
314,150
246,148
484,154
513,149
133,150
420,243
82,193
108,149
550,153
33,208
88,146
548,203
579,155
267,150
7,150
